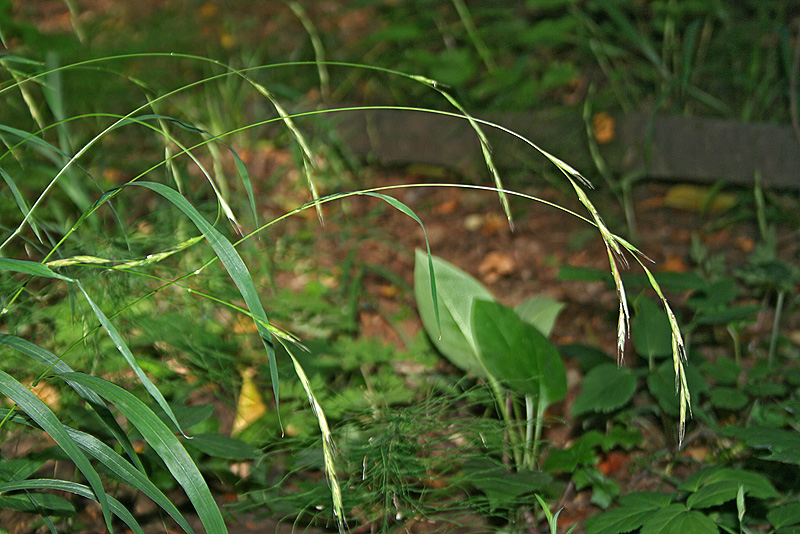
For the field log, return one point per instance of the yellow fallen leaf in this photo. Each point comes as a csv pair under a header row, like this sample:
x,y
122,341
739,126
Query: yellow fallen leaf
x,y
251,404
696,198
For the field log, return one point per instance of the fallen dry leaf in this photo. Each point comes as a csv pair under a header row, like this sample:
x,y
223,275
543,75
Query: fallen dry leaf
x,y
496,265
604,127
250,405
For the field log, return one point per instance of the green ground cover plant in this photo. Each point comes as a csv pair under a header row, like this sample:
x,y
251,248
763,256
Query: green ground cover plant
x,y
142,287
93,254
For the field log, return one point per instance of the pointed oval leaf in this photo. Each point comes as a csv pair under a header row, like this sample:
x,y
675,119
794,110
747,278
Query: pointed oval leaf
x,y
540,311
516,353
455,292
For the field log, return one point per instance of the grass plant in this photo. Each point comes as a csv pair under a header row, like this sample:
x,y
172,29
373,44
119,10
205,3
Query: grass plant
x,y
76,235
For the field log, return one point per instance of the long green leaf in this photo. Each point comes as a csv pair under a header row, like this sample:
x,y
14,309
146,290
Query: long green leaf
x,y
78,489
165,444
127,473
47,420
123,348
408,211
59,367
455,292
33,268
235,267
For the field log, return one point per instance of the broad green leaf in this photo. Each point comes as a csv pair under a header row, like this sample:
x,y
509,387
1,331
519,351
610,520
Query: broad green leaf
x,y
32,268
219,446
635,509
652,335
661,384
516,353
455,293
677,519
47,421
604,490
236,269
783,444
165,444
714,486
724,371
604,389
728,398
501,487
540,311
785,515
78,489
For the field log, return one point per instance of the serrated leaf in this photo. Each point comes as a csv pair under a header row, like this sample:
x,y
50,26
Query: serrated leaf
x,y
635,509
606,388
651,331
715,486
677,519
540,311
785,515
604,490
728,398
516,353
501,487
783,444
455,292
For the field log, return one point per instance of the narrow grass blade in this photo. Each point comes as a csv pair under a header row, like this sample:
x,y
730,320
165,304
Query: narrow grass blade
x,y
235,267
408,211
47,421
123,348
32,268
127,473
59,367
78,489
328,450
20,200
316,43
165,444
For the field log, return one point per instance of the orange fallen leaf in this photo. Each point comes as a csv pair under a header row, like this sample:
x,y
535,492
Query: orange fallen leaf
x,y
603,127
674,264
612,462
496,265
447,207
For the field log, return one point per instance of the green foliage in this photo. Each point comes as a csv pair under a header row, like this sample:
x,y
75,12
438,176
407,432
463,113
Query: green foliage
x,y
605,388
452,334
516,353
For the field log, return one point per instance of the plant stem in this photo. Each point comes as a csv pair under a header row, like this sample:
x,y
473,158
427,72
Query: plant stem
x,y
773,340
529,409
